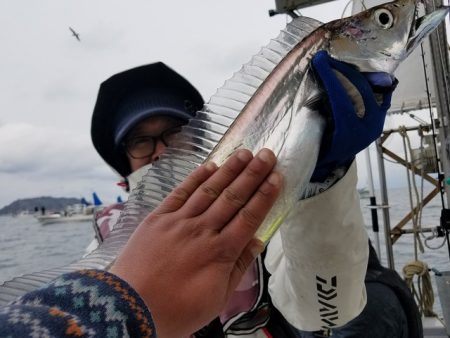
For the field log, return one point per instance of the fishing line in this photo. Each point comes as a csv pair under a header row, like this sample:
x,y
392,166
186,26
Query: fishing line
x,y
441,58
345,8
433,131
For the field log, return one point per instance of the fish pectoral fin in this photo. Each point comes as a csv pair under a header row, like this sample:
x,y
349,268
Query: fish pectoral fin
x,y
315,100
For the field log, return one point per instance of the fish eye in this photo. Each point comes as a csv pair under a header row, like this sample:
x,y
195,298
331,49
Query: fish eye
x,y
384,18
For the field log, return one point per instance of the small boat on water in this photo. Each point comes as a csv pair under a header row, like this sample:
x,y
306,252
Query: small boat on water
x,y
80,212
57,218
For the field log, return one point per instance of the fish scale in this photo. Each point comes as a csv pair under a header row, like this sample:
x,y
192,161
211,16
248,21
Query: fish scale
x,y
269,102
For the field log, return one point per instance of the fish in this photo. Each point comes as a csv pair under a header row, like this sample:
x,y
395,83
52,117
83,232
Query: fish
x,y
270,102
282,114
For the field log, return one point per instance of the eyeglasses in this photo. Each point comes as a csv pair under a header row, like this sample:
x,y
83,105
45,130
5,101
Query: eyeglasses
x,y
144,146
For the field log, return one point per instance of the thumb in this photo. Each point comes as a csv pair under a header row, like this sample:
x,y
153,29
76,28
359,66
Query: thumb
x,y
353,94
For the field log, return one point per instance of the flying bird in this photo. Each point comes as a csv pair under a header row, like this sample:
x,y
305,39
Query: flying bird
x,y
75,34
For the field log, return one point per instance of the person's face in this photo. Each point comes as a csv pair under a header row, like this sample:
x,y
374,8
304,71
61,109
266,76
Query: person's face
x,y
148,140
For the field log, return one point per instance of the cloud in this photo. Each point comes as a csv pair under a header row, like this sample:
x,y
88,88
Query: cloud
x,y
38,161
33,148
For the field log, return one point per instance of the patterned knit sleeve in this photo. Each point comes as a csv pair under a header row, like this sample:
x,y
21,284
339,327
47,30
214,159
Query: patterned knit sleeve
x,y
86,303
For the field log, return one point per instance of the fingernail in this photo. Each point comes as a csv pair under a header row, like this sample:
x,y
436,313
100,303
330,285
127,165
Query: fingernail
x,y
274,179
244,155
210,166
256,248
265,155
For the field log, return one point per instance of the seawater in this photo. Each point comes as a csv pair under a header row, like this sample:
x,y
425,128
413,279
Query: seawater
x,y
27,246
436,255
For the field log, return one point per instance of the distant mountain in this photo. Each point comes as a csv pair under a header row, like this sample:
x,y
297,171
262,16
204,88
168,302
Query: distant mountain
x,y
51,204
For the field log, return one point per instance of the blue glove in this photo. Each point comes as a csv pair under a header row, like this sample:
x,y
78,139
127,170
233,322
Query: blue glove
x,y
346,133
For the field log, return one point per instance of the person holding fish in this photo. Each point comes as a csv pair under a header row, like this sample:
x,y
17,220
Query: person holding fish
x,y
137,113
130,132
193,263
131,127
126,141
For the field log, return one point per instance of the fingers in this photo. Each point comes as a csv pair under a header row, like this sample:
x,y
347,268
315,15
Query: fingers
x,y
178,197
211,189
221,196
236,195
245,223
233,195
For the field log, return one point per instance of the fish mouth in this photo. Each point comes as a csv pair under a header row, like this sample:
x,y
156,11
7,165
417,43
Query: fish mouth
x,y
424,25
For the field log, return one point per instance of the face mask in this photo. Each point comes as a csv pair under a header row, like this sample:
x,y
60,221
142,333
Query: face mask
x,y
135,177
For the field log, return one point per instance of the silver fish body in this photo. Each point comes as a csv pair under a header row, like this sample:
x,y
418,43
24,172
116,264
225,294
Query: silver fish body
x,y
281,116
268,103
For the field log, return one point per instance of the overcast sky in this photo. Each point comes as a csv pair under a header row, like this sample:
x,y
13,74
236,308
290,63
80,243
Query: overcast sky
x,y
49,80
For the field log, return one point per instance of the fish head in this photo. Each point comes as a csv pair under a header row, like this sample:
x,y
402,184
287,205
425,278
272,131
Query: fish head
x,y
380,38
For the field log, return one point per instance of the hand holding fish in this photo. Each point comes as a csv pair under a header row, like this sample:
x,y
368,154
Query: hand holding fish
x,y
187,257
357,112
181,248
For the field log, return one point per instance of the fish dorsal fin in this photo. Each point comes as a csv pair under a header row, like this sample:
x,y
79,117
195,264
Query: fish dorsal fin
x,y
195,142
